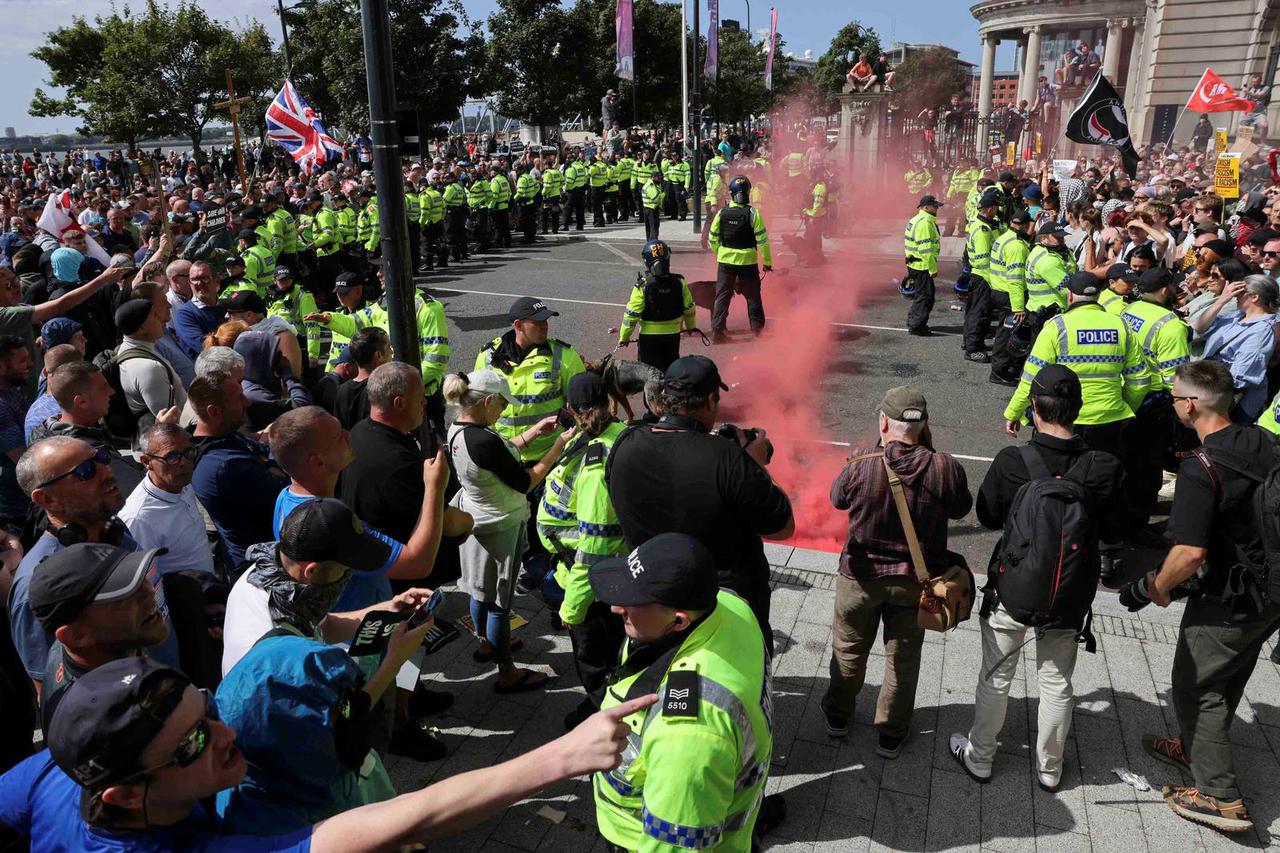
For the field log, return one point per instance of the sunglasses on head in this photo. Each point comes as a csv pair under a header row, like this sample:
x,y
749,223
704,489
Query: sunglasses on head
x,y
84,471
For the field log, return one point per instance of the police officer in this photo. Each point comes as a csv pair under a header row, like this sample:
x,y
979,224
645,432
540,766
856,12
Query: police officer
x,y
964,177
455,211
1121,279
977,317
413,214
575,184
662,305
291,302
1008,198
1049,264
500,195
626,197
713,197
1009,294
259,263
552,190
283,227
479,200
678,186
538,368
922,244
526,200
918,178
597,179
651,199
700,648
815,216
740,240
578,526
431,203
1102,351
1165,341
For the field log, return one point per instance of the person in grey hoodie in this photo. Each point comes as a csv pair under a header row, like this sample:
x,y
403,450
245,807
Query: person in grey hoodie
x,y
269,382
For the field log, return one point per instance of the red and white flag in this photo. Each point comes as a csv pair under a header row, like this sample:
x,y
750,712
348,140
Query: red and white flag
x,y
56,219
1213,95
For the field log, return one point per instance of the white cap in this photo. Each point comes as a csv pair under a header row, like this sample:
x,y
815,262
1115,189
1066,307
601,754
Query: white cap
x,y
489,382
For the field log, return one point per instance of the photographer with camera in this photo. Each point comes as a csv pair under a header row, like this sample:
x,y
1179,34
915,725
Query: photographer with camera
x,y
1218,562
676,476
877,582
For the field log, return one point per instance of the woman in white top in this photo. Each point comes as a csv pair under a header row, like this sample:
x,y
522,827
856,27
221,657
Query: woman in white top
x,y
494,485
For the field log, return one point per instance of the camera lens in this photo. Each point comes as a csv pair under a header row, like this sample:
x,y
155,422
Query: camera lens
x,y
1134,596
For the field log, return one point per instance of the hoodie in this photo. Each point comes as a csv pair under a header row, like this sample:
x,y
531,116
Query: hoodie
x,y
876,546
270,388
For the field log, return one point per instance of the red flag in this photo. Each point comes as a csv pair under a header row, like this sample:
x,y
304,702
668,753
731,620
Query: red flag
x,y
1213,95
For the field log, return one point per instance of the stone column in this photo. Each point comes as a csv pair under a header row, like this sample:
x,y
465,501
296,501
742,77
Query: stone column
x,y
1111,53
1137,62
1030,65
985,92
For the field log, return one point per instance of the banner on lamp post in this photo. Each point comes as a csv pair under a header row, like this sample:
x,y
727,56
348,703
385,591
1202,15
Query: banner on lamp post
x,y
713,38
625,67
773,42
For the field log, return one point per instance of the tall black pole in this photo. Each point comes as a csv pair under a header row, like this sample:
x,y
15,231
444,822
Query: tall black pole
x,y
697,123
396,265
284,31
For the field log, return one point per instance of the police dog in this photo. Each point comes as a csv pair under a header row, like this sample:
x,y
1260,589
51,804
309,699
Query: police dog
x,y
622,379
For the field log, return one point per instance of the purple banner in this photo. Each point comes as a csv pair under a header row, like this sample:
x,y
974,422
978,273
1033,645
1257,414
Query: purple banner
x,y
773,41
713,38
625,67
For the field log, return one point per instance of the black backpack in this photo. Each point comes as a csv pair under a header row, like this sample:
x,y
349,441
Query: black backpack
x,y
121,420
1045,569
1254,581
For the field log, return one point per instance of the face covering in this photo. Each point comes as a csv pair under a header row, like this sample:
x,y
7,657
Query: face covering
x,y
302,605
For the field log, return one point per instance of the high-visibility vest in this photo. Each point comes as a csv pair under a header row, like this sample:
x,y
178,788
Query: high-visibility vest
x,y
538,385
978,248
500,192
1163,337
1047,274
922,242
1009,268
433,334
741,254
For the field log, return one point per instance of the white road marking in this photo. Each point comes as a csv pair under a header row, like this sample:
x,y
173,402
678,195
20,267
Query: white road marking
x,y
631,261
550,299
861,326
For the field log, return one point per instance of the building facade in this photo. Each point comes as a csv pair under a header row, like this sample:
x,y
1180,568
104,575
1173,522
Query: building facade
x,y
1152,51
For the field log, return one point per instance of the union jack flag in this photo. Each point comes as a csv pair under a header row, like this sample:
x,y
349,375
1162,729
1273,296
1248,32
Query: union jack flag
x,y
296,128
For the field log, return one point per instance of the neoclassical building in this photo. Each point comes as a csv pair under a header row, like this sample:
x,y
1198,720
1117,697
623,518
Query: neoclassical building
x,y
1153,51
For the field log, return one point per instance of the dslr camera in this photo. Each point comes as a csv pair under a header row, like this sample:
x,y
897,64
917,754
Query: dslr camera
x,y
1135,596
732,431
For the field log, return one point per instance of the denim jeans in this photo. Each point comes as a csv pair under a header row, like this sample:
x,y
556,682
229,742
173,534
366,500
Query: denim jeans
x,y
493,624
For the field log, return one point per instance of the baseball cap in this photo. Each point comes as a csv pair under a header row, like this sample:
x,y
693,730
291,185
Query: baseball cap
x,y
344,356
990,198
1007,176
1052,227
489,382
243,300
283,272
905,403
1156,278
586,390
71,579
59,330
530,308
1055,380
233,261
1033,193
346,281
697,372
1020,217
1084,284
672,569
930,200
246,234
100,729
326,529
131,315
1124,272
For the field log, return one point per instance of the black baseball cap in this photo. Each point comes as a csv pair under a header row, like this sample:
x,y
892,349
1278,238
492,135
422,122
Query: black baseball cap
x,y
672,569
1055,380
990,198
233,261
929,200
530,308
247,234
243,300
1156,278
1020,217
326,529
1084,284
1052,227
69,580
346,281
1124,272
99,727
697,372
586,390
283,272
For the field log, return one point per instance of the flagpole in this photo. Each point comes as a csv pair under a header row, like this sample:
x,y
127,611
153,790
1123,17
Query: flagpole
x,y
684,74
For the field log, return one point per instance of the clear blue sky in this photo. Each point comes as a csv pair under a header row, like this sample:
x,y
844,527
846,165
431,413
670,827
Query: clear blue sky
x,y
806,25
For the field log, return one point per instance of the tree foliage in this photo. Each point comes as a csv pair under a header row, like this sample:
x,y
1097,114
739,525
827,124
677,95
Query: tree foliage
x,y
437,53
159,72
739,91
530,66
853,39
928,78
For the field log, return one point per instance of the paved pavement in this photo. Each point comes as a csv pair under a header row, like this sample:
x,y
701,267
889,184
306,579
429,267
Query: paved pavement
x,y
841,796
834,342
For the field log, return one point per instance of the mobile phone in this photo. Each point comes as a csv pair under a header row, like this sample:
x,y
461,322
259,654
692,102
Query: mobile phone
x,y
425,611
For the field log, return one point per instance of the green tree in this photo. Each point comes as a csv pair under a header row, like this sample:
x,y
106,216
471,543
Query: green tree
x,y
739,92
928,78
853,39
438,53
156,73
529,66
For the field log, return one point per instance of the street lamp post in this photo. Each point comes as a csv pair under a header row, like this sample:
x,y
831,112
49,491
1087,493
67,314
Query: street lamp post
x,y
748,2
284,32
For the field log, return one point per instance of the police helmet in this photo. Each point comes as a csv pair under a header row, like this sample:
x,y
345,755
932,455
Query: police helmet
x,y
657,257
907,287
962,286
740,189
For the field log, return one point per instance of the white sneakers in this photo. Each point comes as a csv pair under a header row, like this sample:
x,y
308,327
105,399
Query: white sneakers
x,y
962,751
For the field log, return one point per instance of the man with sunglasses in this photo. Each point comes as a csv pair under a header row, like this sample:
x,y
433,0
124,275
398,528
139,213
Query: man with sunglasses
x,y
135,748
162,512
72,482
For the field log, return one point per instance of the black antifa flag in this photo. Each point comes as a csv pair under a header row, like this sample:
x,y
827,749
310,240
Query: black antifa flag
x,y
1100,120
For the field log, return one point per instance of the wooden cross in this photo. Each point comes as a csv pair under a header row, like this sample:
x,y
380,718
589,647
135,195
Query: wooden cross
x,y
233,105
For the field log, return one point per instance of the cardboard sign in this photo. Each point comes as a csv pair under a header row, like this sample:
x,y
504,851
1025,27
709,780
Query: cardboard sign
x,y
1244,144
1220,140
1063,169
215,219
375,630
1010,153
1226,176
1039,143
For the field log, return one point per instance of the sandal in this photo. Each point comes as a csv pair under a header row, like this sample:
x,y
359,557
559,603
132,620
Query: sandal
x,y
481,656
530,679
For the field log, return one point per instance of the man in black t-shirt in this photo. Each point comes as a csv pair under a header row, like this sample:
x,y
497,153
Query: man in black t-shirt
x,y
676,477
1216,539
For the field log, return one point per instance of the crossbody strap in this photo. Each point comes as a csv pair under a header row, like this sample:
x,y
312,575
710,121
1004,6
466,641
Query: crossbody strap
x,y
908,526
